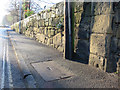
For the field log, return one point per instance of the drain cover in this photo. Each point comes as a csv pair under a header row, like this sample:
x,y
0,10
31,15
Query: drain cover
x,y
50,70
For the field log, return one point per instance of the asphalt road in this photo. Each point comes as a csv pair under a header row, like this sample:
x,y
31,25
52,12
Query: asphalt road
x,y
10,74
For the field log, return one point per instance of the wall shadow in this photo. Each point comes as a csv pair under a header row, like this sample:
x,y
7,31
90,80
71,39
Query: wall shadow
x,y
113,55
82,35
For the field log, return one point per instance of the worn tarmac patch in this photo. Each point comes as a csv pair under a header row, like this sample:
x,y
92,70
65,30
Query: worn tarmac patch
x,y
50,71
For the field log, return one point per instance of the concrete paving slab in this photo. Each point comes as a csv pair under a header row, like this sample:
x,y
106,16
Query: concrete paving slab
x,y
50,71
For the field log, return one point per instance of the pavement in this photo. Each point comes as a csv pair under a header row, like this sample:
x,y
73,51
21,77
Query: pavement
x,y
44,67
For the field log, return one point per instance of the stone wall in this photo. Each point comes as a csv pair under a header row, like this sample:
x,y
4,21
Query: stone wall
x,y
103,38
96,33
45,27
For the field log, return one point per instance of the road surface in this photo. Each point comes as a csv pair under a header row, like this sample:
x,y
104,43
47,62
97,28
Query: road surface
x,y
10,75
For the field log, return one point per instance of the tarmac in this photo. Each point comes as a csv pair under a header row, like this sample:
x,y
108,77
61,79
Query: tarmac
x,y
44,67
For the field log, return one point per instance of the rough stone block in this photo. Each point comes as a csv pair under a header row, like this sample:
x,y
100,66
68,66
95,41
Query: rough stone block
x,y
78,6
46,31
102,8
50,41
41,37
55,21
97,61
60,48
46,24
41,29
52,32
118,66
61,12
49,15
78,17
35,29
102,24
41,23
56,31
100,44
50,20
49,33
57,40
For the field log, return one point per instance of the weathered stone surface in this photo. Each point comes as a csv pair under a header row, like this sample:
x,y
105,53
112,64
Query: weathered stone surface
x,y
41,37
102,8
46,24
41,30
52,32
113,45
85,24
81,34
117,16
82,48
119,44
35,29
78,6
87,9
50,41
49,15
55,21
97,61
118,32
78,17
41,23
60,48
49,33
100,44
57,40
112,63
118,66
50,20
102,24
46,31
82,30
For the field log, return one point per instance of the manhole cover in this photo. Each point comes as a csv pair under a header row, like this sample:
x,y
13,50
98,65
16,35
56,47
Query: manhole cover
x,y
50,70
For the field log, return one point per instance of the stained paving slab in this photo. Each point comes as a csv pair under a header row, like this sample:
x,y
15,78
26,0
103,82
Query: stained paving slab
x,y
50,70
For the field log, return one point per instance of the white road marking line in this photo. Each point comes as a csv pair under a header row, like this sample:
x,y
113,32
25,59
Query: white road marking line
x,y
9,70
3,70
